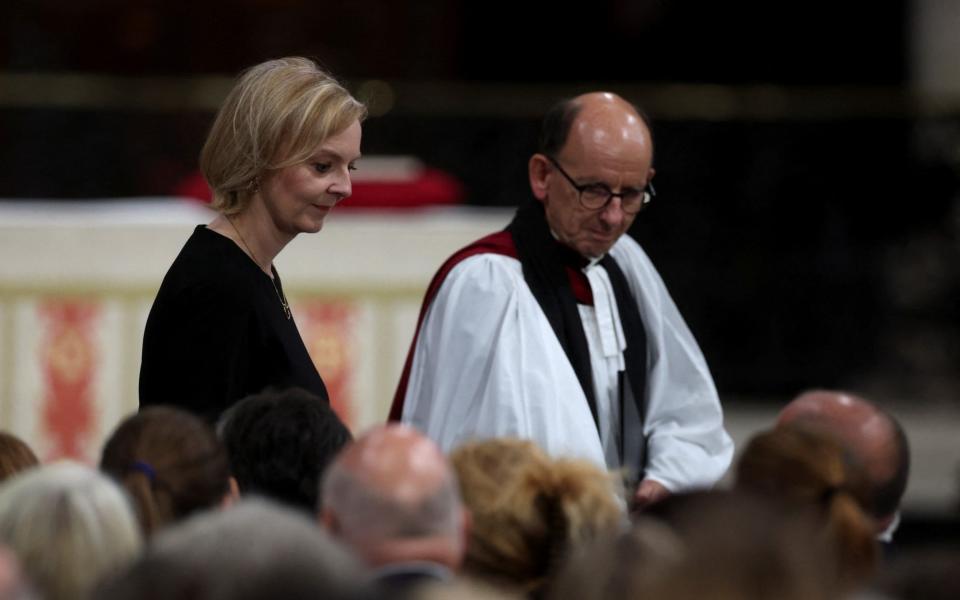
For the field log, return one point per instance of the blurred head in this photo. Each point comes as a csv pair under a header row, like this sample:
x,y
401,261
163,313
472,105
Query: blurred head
x,y
69,525
280,443
15,455
734,545
279,115
921,573
529,510
597,140
13,583
808,471
255,550
462,589
171,464
870,435
622,565
392,497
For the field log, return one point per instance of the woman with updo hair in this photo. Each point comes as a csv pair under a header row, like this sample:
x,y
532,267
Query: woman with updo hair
x,y
278,159
809,471
529,510
171,464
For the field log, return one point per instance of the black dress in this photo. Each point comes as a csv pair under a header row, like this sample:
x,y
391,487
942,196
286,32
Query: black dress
x,y
217,332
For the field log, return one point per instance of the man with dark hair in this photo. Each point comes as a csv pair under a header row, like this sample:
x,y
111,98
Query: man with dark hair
x,y
560,330
280,443
873,438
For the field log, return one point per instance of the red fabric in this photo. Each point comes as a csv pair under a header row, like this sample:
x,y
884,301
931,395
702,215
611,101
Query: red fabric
x,y
432,187
70,363
194,187
580,285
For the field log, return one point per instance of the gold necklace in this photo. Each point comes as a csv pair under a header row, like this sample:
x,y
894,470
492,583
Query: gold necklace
x,y
280,296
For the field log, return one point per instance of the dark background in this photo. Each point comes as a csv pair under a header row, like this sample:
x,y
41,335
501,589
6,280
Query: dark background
x,y
806,221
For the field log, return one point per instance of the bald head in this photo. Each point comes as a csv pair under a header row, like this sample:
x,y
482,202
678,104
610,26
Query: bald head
x,y
597,117
393,496
606,122
397,462
872,437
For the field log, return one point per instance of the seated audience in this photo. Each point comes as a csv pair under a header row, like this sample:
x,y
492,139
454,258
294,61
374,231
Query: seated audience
x,y
807,471
719,545
69,525
280,443
392,497
873,438
621,565
171,464
529,510
15,455
257,550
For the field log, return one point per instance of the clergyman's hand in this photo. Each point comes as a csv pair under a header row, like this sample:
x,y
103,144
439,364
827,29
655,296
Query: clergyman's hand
x,y
649,492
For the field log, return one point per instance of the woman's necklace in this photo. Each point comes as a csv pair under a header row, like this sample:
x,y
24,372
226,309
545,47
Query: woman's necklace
x,y
280,296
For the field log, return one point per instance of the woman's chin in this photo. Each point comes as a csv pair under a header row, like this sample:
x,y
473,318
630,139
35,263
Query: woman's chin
x,y
311,226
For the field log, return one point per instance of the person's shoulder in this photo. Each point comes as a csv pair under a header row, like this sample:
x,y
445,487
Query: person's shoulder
x,y
627,245
486,269
206,246
492,254
495,244
480,284
208,265
630,254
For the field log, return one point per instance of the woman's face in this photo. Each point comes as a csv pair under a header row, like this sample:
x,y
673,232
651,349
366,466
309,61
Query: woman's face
x,y
297,198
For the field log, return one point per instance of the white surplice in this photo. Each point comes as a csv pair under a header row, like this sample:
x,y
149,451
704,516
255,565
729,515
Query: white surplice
x,y
488,364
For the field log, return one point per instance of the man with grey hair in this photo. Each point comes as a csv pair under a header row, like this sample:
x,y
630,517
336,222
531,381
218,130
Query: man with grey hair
x,y
256,550
393,498
872,437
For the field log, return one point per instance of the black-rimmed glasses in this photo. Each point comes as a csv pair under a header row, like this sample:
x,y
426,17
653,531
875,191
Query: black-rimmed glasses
x,y
595,196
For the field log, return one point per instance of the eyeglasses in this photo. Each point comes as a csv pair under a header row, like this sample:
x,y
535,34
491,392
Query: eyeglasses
x,y
595,196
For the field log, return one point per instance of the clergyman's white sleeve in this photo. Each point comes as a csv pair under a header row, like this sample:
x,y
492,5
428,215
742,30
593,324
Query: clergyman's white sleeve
x,y
487,364
687,446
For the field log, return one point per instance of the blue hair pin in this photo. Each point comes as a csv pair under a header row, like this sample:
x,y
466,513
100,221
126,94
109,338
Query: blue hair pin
x,y
145,468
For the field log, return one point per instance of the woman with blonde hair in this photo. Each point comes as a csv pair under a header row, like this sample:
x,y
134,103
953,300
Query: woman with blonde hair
x,y
278,159
69,526
529,510
171,464
808,471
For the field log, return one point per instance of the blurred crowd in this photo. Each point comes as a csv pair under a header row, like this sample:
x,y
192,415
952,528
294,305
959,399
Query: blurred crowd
x,y
278,500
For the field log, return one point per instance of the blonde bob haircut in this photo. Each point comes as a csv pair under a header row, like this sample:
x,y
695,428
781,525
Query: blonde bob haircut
x,y
277,115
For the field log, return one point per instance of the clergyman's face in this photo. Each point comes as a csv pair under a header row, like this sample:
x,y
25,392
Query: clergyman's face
x,y
591,232
618,156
